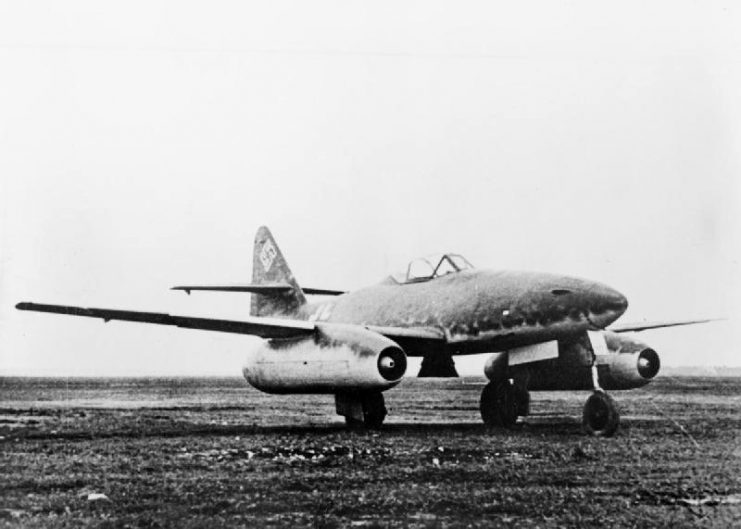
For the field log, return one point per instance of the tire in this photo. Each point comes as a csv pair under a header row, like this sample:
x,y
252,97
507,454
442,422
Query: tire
x,y
487,406
601,417
523,401
507,404
374,410
354,424
499,404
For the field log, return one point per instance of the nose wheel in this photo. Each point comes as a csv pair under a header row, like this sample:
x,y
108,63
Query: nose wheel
x,y
601,417
502,402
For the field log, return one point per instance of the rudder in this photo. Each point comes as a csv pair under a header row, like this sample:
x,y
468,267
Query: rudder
x,y
270,267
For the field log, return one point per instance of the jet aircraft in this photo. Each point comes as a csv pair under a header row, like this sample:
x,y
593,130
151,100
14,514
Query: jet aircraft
x,y
542,332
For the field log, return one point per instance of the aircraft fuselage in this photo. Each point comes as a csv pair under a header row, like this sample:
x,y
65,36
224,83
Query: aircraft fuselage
x,y
481,310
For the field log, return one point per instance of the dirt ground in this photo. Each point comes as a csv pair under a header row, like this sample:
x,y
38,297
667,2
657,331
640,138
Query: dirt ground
x,y
217,453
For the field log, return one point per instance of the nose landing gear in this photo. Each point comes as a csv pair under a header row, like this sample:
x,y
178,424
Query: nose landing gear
x,y
601,417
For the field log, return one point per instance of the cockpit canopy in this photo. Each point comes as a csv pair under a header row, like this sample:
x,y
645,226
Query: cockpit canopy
x,y
432,266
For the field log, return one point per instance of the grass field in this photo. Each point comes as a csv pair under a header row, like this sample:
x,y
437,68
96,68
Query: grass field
x,y
216,453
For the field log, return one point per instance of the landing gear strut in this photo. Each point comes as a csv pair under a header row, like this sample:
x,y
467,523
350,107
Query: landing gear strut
x,y
601,417
361,410
502,402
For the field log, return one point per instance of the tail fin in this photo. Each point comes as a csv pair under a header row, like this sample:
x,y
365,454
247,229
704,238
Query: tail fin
x,y
269,266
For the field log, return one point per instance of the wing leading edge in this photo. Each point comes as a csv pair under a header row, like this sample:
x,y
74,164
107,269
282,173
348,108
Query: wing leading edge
x,y
262,327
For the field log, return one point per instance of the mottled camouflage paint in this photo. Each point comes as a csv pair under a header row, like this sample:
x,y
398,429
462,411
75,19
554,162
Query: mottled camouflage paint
x,y
480,310
477,310
270,267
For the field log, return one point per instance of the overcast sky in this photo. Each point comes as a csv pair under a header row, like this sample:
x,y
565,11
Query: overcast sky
x,y
143,143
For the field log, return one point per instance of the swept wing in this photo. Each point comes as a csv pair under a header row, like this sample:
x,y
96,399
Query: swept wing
x,y
637,327
262,327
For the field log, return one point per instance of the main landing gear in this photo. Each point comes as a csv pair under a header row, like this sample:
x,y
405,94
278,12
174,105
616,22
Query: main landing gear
x,y
361,410
503,402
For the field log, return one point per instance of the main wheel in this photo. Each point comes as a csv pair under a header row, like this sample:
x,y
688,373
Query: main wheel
x,y
601,417
499,404
522,396
374,412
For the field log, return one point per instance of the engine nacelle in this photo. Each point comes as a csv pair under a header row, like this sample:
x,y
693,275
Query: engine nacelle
x,y
334,359
630,363
627,364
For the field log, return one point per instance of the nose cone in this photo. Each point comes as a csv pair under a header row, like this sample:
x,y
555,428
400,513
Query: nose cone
x,y
580,298
605,303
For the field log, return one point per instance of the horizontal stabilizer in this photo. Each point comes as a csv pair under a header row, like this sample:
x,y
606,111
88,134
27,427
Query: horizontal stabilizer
x,y
637,327
323,291
268,288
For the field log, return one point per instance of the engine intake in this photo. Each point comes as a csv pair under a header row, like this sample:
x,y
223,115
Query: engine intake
x,y
392,363
648,363
630,364
334,359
